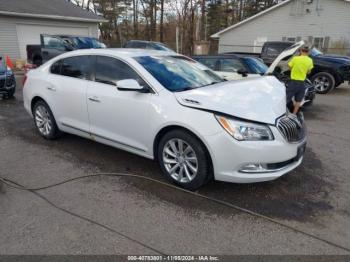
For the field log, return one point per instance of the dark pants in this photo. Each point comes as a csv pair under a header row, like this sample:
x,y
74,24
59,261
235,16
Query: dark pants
x,y
295,89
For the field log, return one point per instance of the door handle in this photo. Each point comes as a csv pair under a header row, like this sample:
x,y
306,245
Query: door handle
x,y
94,99
51,88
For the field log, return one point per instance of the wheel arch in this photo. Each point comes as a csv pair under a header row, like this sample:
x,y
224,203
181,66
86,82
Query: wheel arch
x,y
35,99
169,128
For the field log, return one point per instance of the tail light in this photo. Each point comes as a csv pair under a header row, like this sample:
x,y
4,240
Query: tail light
x,y
24,80
27,68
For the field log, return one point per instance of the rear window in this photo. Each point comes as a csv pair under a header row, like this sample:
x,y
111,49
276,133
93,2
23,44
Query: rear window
x,y
76,67
231,65
209,62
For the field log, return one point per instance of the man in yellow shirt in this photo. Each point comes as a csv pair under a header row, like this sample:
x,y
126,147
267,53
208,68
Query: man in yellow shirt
x,y
300,67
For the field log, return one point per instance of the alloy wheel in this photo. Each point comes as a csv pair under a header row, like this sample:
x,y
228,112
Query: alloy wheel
x,y
321,83
180,160
43,120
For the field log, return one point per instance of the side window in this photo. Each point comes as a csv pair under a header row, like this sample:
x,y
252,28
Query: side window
x,y
275,50
209,62
231,65
141,45
56,68
77,67
109,70
54,43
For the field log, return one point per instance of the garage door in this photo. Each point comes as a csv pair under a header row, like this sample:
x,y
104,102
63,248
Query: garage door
x,y
30,34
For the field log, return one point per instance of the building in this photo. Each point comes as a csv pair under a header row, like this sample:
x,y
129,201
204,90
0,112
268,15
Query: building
x,y
323,23
22,22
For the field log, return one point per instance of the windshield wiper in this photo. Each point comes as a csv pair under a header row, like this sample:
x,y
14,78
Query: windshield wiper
x,y
184,89
214,82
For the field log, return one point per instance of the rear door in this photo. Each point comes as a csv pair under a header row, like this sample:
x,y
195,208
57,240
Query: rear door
x,y
69,79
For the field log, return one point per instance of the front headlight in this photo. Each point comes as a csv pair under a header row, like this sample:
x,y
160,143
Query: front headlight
x,y
245,131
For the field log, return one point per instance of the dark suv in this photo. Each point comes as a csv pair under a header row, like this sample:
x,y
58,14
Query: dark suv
x,y
7,82
329,72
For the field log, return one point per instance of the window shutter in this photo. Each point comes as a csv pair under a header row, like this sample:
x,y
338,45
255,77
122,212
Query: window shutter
x,y
326,43
310,40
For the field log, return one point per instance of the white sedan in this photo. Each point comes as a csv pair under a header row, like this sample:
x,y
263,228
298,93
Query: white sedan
x,y
166,107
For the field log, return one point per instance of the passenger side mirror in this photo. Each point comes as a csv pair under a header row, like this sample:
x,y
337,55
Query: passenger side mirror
x,y
131,85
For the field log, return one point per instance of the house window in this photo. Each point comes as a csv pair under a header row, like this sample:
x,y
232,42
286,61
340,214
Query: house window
x,y
318,42
291,39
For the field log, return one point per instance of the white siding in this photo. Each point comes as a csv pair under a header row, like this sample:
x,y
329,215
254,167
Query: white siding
x,y
14,38
331,20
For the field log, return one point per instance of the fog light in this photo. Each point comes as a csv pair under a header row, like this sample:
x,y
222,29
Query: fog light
x,y
254,168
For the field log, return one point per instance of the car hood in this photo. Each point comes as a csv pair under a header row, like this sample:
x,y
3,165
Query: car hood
x,y
260,99
287,52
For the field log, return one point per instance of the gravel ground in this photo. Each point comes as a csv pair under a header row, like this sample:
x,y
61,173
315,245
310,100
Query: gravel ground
x,y
148,218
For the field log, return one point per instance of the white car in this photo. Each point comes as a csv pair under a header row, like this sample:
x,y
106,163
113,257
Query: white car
x,y
166,107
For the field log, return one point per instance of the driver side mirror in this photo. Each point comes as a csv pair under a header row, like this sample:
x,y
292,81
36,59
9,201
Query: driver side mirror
x,y
243,73
68,47
131,85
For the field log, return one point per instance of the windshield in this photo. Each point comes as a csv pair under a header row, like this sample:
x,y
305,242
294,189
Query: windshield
x,y
87,42
177,73
255,65
315,52
162,47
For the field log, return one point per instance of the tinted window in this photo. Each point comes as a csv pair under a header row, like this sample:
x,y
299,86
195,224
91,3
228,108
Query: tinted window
x,y
275,50
255,65
77,67
209,62
54,43
86,43
178,74
231,65
159,46
141,45
56,68
110,70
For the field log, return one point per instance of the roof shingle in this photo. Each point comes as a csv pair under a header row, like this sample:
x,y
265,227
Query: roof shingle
x,y
47,8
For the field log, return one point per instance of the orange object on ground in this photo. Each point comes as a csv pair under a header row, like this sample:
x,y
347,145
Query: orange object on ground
x,y
9,62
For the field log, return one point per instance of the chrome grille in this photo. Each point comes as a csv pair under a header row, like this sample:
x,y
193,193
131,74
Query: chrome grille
x,y
291,127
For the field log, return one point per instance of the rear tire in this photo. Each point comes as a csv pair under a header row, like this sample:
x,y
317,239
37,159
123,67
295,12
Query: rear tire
x,y
324,82
184,159
45,121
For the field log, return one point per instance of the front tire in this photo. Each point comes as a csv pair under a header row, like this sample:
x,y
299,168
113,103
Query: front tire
x,y
45,121
324,82
184,159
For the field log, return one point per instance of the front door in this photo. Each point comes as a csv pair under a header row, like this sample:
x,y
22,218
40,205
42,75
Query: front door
x,y
118,117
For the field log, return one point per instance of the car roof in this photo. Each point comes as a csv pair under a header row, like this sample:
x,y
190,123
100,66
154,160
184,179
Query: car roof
x,y
125,52
144,41
216,56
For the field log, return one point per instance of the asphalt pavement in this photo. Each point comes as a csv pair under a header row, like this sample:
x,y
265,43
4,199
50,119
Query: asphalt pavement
x,y
142,217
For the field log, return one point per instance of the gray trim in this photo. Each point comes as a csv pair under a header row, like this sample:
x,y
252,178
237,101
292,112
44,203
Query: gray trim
x,y
105,138
55,17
